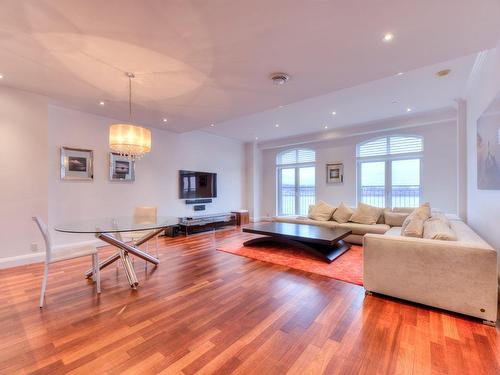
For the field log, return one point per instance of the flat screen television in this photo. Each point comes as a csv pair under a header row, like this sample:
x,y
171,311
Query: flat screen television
x,y
194,185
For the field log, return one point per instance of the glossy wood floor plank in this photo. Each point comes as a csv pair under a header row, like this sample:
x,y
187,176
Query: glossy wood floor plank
x,y
208,312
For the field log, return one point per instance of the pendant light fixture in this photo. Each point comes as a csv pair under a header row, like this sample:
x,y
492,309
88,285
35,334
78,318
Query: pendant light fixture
x,y
129,140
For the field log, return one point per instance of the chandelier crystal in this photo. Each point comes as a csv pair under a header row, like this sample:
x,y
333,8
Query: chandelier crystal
x,y
129,140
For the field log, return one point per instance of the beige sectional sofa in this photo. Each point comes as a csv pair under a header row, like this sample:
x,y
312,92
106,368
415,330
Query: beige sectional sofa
x,y
459,276
358,230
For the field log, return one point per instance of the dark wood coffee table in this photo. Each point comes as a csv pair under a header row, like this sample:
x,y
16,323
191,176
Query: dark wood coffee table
x,y
325,243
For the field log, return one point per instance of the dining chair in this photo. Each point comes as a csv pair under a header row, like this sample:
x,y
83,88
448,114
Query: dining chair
x,y
55,254
142,214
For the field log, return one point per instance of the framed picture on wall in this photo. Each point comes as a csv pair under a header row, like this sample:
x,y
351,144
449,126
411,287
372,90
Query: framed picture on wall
x,y
121,168
488,153
334,173
77,164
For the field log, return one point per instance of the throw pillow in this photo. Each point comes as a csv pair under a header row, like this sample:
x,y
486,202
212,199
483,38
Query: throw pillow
x,y
436,229
343,213
366,214
414,228
423,212
322,211
440,216
395,219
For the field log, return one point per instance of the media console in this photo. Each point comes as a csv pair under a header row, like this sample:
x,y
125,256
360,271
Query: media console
x,y
201,223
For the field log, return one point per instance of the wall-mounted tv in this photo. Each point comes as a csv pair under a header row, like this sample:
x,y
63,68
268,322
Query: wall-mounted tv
x,y
197,185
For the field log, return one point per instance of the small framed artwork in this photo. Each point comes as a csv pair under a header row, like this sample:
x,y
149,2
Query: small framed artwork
x,y
77,164
121,168
334,173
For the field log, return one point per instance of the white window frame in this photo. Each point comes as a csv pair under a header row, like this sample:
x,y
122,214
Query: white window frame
x,y
388,159
296,166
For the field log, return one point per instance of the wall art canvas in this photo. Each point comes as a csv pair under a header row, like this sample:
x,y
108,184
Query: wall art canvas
x,y
77,164
488,153
121,168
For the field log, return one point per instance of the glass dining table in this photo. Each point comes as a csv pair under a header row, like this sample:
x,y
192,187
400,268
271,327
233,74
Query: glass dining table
x,y
109,230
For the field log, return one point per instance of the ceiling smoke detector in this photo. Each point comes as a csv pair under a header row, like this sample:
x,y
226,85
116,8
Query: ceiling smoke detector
x,y
280,78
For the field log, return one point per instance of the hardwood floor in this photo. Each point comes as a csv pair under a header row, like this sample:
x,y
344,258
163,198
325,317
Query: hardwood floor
x,y
208,312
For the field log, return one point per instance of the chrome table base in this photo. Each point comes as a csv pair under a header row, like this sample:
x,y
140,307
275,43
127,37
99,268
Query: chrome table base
x,y
124,254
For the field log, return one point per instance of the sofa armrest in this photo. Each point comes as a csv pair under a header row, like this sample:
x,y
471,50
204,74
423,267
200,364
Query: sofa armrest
x,y
452,275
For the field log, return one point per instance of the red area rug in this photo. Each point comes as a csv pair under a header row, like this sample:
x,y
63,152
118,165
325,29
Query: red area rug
x,y
348,267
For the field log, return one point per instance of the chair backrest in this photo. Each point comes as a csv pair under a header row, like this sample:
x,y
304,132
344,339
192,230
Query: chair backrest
x,y
144,214
46,236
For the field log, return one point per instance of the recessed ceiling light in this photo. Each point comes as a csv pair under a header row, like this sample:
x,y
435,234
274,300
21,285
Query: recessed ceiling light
x,y
212,125
443,72
400,74
256,138
334,113
165,119
1,76
277,125
326,126
408,109
388,37
101,103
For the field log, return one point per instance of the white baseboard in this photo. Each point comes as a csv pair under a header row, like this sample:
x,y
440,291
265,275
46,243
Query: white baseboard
x,y
20,260
30,258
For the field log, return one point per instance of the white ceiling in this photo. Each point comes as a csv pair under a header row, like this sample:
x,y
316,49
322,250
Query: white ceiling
x,y
419,90
200,62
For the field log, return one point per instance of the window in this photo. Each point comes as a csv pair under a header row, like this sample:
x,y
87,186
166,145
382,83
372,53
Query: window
x,y
389,171
295,172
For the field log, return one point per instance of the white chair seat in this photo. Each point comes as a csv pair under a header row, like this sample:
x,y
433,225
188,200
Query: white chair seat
x,y
60,253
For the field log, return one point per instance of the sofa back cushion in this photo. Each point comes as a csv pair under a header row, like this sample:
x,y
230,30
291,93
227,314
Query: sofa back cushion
x,y
437,229
321,211
343,213
366,214
395,219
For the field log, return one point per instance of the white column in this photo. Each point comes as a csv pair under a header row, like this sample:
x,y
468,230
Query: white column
x,y
461,158
253,180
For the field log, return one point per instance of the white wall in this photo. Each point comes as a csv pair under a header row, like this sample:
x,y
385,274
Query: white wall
x,y
156,181
32,132
23,169
439,167
483,206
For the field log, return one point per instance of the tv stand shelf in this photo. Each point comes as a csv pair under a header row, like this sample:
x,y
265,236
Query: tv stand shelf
x,y
202,223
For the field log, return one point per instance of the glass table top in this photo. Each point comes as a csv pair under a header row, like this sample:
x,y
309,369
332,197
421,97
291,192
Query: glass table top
x,y
116,224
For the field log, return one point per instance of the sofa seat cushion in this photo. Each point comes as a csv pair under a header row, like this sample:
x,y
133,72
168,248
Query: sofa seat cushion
x,y
304,220
362,229
294,219
393,232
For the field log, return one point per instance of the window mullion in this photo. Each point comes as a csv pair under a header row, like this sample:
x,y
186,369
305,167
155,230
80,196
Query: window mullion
x,y
297,188
388,183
